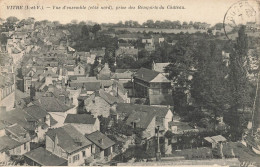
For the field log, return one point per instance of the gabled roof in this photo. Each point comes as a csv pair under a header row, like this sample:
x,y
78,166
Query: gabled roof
x,y
80,119
100,140
7,143
69,138
141,119
146,74
16,130
18,116
45,158
127,108
107,97
51,104
36,111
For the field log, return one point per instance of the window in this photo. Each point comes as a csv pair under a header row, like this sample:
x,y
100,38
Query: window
x,y
24,146
75,158
156,91
165,91
84,153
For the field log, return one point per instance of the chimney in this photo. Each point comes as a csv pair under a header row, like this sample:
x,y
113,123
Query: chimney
x,y
101,141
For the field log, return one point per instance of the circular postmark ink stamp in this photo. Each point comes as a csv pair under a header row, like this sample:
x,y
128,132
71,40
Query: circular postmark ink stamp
x,y
240,13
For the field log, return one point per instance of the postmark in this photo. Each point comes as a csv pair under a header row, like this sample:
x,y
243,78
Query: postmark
x,y
240,13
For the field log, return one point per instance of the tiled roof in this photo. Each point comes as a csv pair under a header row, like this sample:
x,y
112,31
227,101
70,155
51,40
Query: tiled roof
x,y
146,74
57,92
107,97
51,104
18,116
127,108
103,76
36,111
16,130
80,119
100,140
181,126
69,138
159,67
45,158
142,119
7,143
4,124
90,86
125,70
122,76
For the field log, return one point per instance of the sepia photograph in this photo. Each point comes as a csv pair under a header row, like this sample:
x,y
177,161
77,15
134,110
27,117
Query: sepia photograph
x,y
130,83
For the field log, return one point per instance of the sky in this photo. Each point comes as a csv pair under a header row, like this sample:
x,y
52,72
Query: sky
x,y
210,11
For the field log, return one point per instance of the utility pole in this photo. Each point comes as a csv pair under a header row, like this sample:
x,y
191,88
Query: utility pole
x,y
158,154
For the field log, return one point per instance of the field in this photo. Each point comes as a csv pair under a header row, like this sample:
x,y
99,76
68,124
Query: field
x,y
159,30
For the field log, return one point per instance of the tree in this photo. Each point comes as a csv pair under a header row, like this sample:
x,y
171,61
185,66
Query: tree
x,y
96,28
238,81
12,19
182,61
208,86
85,31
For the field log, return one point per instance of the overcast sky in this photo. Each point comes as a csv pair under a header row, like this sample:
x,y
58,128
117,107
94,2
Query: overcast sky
x,y
210,11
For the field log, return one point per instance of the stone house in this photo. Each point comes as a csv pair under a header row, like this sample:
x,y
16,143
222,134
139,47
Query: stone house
x,y
144,121
163,115
68,143
16,141
103,146
56,108
100,103
84,123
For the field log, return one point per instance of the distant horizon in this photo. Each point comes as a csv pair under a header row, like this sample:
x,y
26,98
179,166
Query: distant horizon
x,y
91,21
211,12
